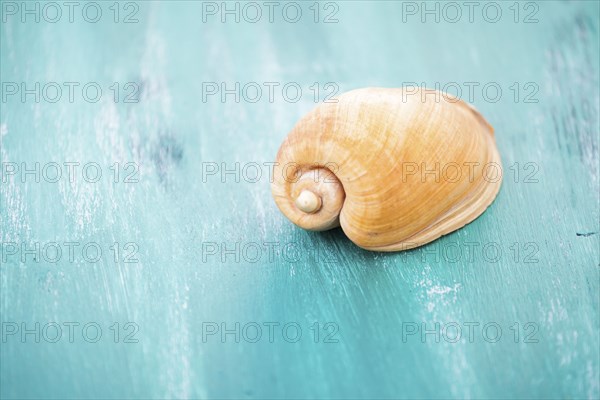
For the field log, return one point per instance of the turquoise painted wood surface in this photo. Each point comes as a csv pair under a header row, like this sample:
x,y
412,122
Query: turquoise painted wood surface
x,y
185,249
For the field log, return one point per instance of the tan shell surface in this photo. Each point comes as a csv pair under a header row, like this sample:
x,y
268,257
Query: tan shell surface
x,y
367,157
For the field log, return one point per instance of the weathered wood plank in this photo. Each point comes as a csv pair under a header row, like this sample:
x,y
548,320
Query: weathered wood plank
x,y
529,265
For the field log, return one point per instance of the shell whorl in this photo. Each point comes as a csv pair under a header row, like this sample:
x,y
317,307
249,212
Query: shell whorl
x,y
310,196
344,164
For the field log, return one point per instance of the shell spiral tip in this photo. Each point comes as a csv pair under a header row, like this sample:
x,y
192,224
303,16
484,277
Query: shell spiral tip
x,y
308,201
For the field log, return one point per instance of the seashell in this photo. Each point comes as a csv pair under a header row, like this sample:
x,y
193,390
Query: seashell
x,y
396,168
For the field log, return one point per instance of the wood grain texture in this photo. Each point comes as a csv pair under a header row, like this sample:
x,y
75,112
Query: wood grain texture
x,y
544,222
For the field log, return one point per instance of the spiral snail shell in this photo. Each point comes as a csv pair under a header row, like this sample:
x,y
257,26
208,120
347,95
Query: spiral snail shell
x,y
395,168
